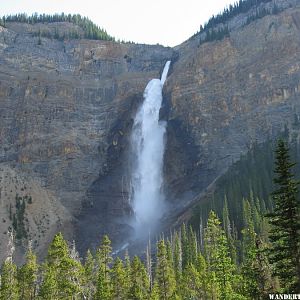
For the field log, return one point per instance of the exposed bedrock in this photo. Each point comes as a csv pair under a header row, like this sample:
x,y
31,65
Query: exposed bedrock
x,y
67,109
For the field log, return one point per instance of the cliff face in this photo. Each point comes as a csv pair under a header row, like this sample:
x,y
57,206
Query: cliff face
x,y
66,111
224,96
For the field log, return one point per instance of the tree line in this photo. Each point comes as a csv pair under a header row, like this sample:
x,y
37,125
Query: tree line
x,y
251,177
211,263
214,32
90,29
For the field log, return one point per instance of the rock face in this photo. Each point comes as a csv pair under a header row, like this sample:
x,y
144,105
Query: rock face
x,y
66,109
224,96
66,112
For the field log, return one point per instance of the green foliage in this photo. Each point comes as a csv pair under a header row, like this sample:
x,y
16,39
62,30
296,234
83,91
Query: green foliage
x,y
104,260
227,266
164,274
284,253
217,256
216,34
63,276
248,178
177,258
9,283
140,286
27,277
89,276
119,280
90,30
19,215
216,29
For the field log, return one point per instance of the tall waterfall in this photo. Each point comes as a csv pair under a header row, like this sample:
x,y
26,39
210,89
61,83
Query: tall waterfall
x,y
147,141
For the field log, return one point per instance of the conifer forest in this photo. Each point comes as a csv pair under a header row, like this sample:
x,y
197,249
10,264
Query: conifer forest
x,y
214,261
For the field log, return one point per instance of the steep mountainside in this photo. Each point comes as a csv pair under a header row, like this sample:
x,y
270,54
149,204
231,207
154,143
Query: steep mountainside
x,y
224,96
66,111
65,107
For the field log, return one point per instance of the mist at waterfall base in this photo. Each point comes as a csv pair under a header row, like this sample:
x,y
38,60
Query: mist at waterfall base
x,y
148,145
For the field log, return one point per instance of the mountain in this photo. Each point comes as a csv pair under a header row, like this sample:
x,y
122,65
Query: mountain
x,y
67,109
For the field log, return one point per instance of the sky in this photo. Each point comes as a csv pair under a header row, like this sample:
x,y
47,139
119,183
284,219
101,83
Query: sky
x,y
166,22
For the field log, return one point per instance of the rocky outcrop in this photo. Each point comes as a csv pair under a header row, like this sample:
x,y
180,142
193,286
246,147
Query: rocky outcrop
x,y
224,96
67,107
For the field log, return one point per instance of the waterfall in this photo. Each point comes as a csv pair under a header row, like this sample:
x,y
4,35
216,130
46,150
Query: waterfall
x,y
147,142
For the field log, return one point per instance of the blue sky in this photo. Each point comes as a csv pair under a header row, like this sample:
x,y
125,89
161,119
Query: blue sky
x,y
167,22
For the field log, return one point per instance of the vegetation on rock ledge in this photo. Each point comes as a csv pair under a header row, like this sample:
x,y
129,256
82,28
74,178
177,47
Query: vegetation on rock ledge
x,y
90,30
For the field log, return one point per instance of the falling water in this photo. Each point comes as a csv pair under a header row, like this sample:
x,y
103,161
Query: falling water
x,y
148,145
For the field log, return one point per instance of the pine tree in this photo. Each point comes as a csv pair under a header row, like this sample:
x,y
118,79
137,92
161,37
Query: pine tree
x,y
63,275
193,246
49,285
140,286
177,257
263,273
164,273
285,223
127,268
104,286
89,272
27,277
249,253
9,283
219,262
119,280
190,287
184,246
228,231
8,279
202,271
154,295
248,232
194,280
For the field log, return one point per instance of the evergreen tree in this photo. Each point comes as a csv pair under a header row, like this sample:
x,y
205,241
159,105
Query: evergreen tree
x,y
49,285
127,267
63,275
27,277
228,231
177,257
104,286
184,246
285,223
140,286
193,246
262,271
194,282
8,279
9,283
90,278
190,287
154,295
164,273
119,280
249,253
218,259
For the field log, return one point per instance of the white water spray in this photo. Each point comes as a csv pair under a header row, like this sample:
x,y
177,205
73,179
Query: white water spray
x,y
148,145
